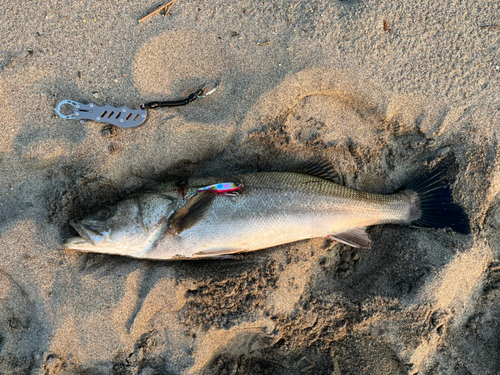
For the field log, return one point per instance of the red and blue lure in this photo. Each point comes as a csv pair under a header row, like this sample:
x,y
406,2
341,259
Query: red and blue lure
x,y
223,187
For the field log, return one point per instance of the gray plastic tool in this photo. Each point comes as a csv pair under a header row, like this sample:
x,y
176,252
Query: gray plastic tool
x,y
122,117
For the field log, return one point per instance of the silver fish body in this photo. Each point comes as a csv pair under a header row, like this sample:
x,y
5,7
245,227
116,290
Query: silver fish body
x,y
270,209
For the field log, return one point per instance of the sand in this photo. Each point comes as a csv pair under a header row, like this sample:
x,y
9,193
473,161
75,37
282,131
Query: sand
x,y
382,89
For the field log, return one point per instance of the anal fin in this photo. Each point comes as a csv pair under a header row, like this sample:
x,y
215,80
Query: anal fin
x,y
355,237
221,257
218,253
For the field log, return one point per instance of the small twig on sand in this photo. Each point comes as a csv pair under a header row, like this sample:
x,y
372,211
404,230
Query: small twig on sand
x,y
490,27
305,369
169,6
251,328
263,44
310,367
158,10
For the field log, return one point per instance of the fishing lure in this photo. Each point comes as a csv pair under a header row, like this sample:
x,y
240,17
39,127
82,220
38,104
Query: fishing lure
x,y
222,188
124,117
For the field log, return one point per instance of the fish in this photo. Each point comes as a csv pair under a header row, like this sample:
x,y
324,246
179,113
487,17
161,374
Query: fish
x,y
226,215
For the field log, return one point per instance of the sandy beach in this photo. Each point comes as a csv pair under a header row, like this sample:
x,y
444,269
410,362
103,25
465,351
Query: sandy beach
x,y
381,89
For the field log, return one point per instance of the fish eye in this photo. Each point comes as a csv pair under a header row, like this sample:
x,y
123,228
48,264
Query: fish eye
x,y
105,213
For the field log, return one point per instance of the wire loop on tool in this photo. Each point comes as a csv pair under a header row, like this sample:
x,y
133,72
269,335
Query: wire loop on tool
x,y
75,105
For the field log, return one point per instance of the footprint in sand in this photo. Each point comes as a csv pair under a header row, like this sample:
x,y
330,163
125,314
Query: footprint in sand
x,y
18,330
492,227
340,116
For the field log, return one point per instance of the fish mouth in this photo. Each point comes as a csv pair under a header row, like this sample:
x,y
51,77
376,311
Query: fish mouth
x,y
88,236
82,230
77,243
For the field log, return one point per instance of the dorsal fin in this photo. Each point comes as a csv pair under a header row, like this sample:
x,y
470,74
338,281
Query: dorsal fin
x,y
322,169
355,237
192,212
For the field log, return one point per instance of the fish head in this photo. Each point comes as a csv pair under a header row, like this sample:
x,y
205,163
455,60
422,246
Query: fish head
x,y
130,227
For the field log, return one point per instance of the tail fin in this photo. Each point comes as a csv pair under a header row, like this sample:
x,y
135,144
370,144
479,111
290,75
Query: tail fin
x,y
435,206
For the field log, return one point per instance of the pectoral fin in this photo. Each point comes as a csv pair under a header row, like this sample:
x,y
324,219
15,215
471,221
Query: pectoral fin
x,y
194,211
355,237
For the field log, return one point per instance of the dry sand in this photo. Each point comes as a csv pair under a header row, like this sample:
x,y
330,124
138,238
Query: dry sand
x,y
299,80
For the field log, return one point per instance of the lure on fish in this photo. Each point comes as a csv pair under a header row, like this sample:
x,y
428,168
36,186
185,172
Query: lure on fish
x,y
267,209
222,188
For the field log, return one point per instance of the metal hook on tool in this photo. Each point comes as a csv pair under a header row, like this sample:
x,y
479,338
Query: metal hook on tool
x,y
203,93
